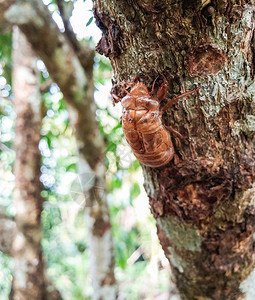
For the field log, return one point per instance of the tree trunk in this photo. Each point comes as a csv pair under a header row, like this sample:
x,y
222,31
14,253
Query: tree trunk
x,y
22,238
203,200
7,235
28,279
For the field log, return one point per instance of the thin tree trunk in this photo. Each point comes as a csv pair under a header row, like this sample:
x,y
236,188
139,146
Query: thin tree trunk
x,y
28,279
7,234
70,64
203,200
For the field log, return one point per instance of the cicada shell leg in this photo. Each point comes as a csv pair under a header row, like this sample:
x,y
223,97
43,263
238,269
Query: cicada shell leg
x,y
162,91
153,85
135,78
175,99
116,99
170,128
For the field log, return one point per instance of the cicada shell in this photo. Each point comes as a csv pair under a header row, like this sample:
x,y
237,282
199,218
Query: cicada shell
x,y
142,123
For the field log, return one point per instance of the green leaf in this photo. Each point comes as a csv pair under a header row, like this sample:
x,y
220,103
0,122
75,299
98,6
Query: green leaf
x,y
115,184
135,191
71,168
89,21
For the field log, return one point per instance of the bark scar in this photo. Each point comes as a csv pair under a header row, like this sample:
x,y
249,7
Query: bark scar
x,y
204,60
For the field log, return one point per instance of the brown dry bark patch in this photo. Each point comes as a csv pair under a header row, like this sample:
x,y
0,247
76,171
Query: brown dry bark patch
x,y
101,226
204,60
232,243
109,279
197,193
154,7
110,43
225,258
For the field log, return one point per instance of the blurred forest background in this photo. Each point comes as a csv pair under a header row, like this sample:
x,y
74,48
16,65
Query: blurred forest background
x,y
142,270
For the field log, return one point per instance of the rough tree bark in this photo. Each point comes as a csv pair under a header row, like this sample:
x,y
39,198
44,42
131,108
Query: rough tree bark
x,y
70,64
203,200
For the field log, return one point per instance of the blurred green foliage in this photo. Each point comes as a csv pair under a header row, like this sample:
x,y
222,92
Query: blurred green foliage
x,y
139,257
5,55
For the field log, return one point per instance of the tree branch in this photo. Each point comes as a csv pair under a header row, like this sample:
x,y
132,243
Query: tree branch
x,y
65,68
5,26
84,53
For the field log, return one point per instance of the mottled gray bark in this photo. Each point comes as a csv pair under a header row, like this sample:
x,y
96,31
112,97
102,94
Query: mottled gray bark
x,y
70,64
203,200
28,279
